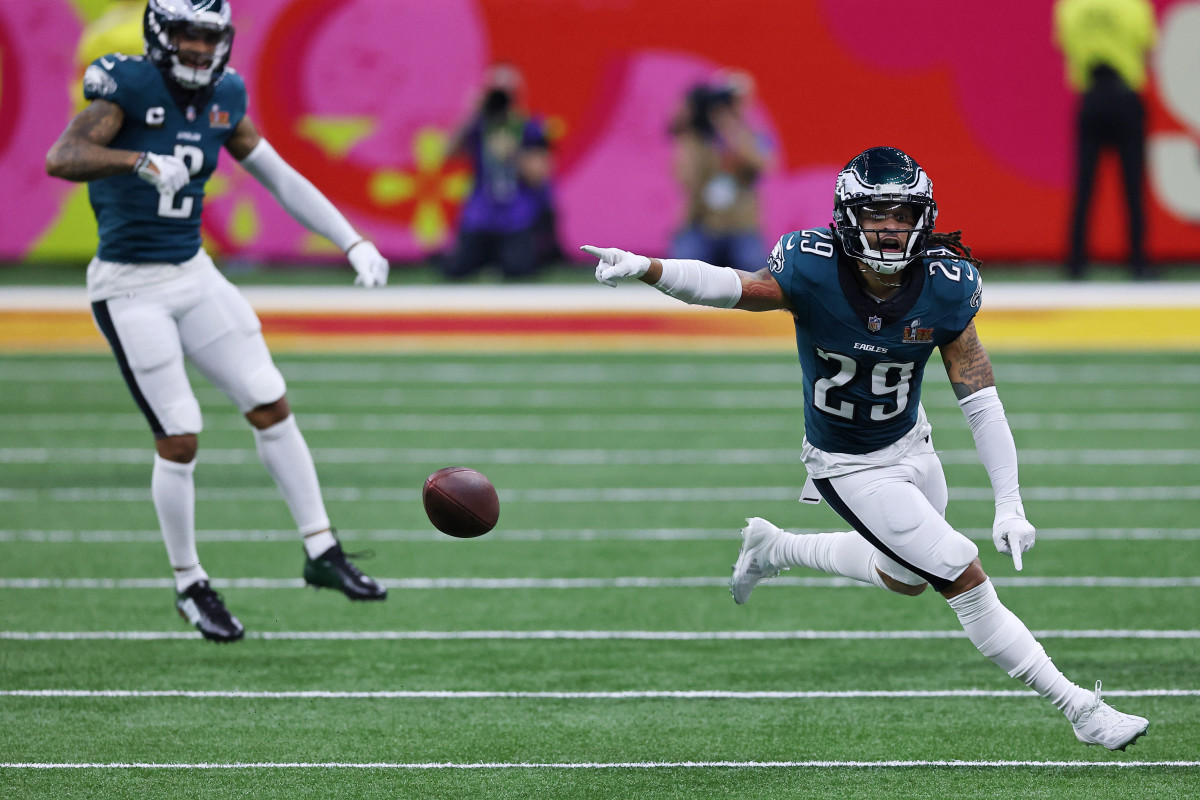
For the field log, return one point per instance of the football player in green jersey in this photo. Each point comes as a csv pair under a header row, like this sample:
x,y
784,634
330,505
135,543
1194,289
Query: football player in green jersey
x,y
146,144
872,295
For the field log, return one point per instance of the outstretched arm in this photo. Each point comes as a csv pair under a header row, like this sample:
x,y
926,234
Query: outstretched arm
x,y
305,202
970,373
693,282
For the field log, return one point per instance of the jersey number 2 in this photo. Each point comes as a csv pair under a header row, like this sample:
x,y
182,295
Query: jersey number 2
x,y
194,158
882,384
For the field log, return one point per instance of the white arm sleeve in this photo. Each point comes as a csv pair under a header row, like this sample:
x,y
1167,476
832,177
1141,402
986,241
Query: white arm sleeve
x,y
994,441
298,196
699,283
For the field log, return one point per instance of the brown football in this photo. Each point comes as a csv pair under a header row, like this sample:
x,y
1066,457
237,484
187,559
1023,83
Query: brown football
x,y
461,501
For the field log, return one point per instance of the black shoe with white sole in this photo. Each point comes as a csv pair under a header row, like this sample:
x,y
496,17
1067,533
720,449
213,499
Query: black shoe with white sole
x,y
203,607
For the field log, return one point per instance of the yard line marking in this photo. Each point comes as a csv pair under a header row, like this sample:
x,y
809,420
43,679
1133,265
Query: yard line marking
x,y
618,695
673,399
591,765
718,494
631,582
648,395
553,535
719,371
569,456
555,423
593,635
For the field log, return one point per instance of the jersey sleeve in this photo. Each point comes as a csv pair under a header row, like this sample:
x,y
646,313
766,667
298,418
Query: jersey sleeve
x,y
233,96
959,286
785,269
98,81
111,78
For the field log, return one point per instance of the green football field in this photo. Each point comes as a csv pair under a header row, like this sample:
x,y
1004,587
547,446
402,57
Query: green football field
x,y
587,647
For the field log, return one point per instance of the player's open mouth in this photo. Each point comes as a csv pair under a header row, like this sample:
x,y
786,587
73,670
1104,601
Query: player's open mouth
x,y
195,63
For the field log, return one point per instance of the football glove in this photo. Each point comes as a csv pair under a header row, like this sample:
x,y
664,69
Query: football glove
x,y
616,264
1011,532
372,268
168,174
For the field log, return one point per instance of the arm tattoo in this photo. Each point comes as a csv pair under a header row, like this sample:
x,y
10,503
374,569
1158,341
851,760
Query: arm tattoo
x,y
761,292
82,152
967,364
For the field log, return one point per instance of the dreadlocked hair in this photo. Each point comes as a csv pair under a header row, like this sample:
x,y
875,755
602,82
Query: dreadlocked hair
x,y
953,241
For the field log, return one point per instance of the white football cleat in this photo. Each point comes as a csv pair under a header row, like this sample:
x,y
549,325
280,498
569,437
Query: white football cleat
x,y
1102,724
753,564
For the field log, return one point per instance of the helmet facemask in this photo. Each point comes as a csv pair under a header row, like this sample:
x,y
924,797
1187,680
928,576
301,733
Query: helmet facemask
x,y
167,21
885,183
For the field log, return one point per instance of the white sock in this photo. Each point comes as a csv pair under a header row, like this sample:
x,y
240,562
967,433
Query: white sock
x,y
174,493
285,454
846,554
317,543
1002,637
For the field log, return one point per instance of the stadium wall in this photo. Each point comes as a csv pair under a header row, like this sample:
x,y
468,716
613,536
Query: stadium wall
x,y
362,94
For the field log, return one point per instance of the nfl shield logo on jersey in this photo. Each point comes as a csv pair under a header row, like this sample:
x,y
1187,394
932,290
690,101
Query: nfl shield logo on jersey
x,y
874,324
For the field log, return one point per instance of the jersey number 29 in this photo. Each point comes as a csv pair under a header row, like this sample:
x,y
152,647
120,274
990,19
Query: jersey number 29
x,y
887,378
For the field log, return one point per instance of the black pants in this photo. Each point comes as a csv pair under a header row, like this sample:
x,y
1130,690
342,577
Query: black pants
x,y
515,253
1111,115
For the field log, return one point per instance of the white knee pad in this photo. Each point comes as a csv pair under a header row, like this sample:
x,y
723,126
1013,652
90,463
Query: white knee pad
x,y
264,385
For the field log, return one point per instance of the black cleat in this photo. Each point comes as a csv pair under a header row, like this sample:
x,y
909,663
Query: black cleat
x,y
333,570
203,607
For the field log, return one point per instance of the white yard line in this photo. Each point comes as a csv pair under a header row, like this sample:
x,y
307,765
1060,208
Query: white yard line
x,y
584,635
620,695
632,582
678,420
723,371
721,494
551,535
588,765
572,456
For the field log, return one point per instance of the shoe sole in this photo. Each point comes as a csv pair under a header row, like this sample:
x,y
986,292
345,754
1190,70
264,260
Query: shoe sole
x,y
358,598
208,637
1133,739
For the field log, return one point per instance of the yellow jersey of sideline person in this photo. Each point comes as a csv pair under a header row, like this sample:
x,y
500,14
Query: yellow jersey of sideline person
x,y
1117,33
1105,43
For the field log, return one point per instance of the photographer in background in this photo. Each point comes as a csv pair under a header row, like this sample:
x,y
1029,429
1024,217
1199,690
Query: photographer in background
x,y
718,161
508,219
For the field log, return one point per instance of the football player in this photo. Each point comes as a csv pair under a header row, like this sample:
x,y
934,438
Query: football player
x,y
872,295
146,144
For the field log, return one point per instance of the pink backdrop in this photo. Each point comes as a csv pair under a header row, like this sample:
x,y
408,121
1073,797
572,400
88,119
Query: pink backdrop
x,y
358,94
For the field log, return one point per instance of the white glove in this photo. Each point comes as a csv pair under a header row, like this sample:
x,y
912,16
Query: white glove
x,y
168,174
1011,532
616,264
372,268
